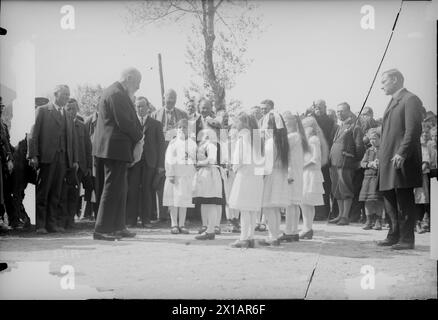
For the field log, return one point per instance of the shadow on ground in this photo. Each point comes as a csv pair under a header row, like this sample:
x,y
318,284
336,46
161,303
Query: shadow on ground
x,y
326,243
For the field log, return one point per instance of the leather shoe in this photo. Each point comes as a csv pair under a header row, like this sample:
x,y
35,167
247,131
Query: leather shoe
x,y
402,246
289,237
205,236
342,222
306,235
240,244
41,231
267,243
125,233
184,230
104,236
202,229
56,229
335,220
386,243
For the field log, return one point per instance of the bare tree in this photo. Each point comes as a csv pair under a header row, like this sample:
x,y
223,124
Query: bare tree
x,y
219,37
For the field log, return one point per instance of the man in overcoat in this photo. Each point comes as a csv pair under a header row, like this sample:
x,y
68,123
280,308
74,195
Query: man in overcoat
x,y
400,160
118,134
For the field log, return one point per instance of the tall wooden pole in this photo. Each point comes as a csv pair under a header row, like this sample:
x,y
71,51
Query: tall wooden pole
x,y
160,70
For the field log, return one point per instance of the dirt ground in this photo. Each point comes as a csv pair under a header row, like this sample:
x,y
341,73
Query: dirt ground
x,y
159,265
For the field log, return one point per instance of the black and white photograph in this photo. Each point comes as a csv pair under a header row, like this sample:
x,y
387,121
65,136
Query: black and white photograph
x,y
218,150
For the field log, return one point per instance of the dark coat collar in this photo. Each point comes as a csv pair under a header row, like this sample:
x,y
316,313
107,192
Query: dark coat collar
x,y
394,102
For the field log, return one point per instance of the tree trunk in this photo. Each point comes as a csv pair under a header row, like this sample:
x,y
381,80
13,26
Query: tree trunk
x,y
209,9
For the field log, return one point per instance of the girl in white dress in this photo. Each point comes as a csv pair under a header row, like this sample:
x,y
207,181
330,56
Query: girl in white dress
x,y
247,190
312,176
180,171
227,149
298,145
209,189
275,188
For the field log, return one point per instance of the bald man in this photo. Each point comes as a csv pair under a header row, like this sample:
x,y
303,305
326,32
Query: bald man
x,y
169,116
52,149
118,132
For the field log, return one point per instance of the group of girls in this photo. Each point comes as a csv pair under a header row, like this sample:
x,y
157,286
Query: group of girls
x,y
273,167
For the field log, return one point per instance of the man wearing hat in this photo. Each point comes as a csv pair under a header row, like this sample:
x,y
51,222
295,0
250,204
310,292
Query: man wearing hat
x,y
52,149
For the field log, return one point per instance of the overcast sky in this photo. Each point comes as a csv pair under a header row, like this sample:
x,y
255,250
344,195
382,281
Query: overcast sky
x,y
309,50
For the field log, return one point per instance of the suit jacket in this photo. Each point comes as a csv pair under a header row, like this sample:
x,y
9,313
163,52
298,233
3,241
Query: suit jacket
x,y
347,139
5,143
328,127
159,115
401,131
90,125
84,145
154,144
118,128
43,143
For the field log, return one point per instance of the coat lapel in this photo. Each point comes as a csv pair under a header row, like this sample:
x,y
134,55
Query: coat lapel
x,y
146,124
344,127
55,114
393,103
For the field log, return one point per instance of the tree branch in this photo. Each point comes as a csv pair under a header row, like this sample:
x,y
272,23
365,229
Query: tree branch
x,y
219,3
173,4
223,21
195,10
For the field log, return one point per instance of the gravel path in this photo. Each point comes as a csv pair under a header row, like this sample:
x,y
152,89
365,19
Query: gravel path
x,y
159,265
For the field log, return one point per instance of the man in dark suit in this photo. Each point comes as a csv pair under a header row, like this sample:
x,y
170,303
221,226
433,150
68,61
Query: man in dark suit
x,y
118,137
53,149
400,160
6,170
328,128
95,179
70,199
345,155
141,200
169,116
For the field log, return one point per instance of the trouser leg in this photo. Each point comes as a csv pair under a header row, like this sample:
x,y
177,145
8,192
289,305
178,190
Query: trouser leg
x,y
112,208
406,214
390,203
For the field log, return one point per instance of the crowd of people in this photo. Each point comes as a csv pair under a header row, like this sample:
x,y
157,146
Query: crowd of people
x,y
129,164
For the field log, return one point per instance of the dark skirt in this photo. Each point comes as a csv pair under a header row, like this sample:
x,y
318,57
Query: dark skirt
x,y
370,189
212,200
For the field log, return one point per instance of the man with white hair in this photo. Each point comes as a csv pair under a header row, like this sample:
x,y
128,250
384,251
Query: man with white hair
x,y
53,150
400,160
118,135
